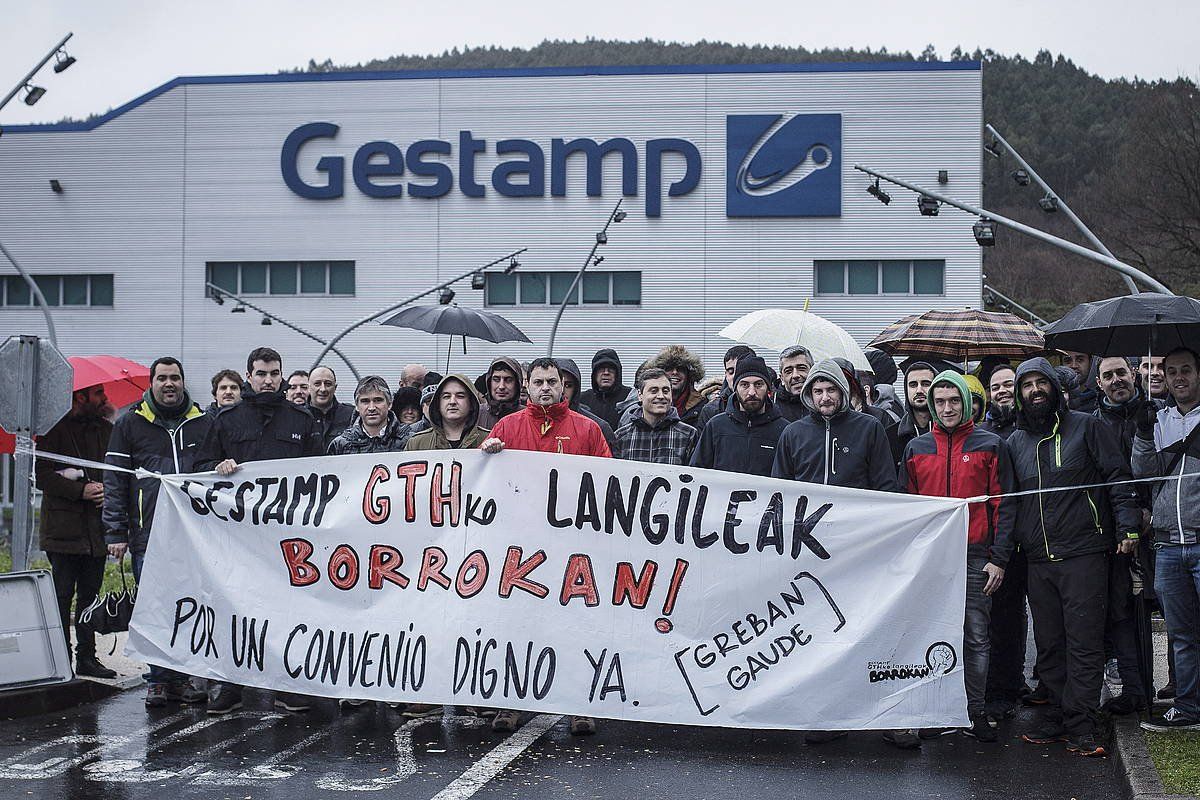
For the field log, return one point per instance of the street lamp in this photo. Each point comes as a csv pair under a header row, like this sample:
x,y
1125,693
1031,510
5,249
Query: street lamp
x,y
616,215
34,93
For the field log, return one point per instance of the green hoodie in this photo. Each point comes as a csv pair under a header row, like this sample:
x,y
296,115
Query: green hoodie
x,y
951,378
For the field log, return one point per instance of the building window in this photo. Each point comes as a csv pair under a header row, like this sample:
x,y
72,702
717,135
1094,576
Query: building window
x,y
549,288
917,277
71,291
282,277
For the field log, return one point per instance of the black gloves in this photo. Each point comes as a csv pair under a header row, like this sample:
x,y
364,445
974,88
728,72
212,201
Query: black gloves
x,y
1145,417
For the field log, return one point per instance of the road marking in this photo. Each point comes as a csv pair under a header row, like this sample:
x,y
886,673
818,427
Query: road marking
x,y
488,767
271,769
16,767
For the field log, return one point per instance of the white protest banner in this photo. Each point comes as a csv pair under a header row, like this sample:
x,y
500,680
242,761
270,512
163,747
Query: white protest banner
x,y
563,584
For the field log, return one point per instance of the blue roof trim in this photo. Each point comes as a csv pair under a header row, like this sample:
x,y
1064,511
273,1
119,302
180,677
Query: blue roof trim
x,y
317,77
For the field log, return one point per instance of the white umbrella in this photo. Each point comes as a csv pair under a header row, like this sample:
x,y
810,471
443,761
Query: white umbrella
x,y
781,328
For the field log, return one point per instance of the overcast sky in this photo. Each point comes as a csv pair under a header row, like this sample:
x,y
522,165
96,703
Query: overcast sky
x,y
126,47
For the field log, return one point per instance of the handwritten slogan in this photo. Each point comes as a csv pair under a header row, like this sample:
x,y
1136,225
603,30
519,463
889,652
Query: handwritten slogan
x,y
562,584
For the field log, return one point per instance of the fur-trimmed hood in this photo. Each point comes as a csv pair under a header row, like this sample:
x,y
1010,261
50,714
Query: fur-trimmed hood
x,y
676,355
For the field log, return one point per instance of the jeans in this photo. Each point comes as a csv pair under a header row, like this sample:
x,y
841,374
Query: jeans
x,y
77,576
1177,582
976,638
157,674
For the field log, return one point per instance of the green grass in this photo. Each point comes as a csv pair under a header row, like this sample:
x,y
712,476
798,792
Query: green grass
x,y
1177,757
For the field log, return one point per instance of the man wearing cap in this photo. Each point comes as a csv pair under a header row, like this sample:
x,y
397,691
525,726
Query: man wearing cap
x,y
957,459
1068,536
743,438
720,402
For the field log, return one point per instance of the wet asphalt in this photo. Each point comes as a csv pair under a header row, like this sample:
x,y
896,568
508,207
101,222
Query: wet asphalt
x,y
115,749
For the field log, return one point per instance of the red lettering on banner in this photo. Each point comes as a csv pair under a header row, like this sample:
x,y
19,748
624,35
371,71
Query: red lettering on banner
x,y
579,581
343,567
410,472
432,562
383,565
439,497
476,566
637,591
376,509
301,572
516,570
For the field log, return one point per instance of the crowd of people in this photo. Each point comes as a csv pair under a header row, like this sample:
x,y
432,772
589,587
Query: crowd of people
x,y
1064,534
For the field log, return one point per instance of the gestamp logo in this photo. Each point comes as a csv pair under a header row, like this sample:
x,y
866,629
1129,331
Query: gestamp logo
x,y
783,166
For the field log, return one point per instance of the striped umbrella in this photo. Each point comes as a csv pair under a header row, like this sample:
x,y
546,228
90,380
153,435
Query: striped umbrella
x,y
960,335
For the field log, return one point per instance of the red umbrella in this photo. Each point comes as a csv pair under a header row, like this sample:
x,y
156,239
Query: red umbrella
x,y
8,442
123,380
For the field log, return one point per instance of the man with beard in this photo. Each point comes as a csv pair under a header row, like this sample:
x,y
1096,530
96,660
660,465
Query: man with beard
x,y
794,364
1154,382
546,425
161,434
297,388
720,403
1067,536
607,389
332,417
1084,396
916,420
1164,446
226,391
571,379
655,434
684,370
501,391
743,438
263,426
72,534
1001,417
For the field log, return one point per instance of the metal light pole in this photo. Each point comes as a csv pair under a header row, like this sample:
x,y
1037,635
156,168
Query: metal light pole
x,y
218,291
1062,204
37,295
1108,261
616,215
25,81
511,257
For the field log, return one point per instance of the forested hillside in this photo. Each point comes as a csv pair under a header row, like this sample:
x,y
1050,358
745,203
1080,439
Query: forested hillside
x,y
1124,153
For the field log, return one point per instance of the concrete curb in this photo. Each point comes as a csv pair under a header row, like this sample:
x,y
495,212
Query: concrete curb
x,y
55,697
1134,765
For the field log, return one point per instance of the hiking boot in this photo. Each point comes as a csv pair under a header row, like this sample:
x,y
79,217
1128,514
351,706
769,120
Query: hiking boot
x,y
1167,692
420,710
933,733
348,702
1038,697
1124,703
190,694
506,721
88,666
156,695
822,737
297,703
980,729
1172,720
905,739
583,726
1086,745
224,699
1045,733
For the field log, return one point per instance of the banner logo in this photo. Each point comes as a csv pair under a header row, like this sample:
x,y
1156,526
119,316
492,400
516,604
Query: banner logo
x,y
783,166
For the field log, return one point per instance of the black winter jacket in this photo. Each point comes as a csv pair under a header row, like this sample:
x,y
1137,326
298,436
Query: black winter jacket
x,y
848,449
333,421
734,442
603,402
141,438
1075,450
579,407
393,437
70,524
790,405
263,426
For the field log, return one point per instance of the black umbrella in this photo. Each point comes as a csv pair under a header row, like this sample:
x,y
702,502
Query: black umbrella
x,y
1128,326
454,320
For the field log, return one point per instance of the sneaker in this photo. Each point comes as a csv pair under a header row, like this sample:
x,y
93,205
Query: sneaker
x,y
1002,709
1038,697
156,695
1124,703
933,733
88,666
348,702
1167,692
506,721
905,740
1045,733
192,695
297,703
1172,720
822,737
226,699
980,729
1086,745
583,726
420,710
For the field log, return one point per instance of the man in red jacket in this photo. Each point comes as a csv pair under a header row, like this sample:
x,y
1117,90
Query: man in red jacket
x,y
547,425
957,459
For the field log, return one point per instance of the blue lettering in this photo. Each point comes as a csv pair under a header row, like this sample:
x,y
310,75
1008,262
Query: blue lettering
x,y
655,148
429,169
560,151
334,166
392,167
534,166
468,146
